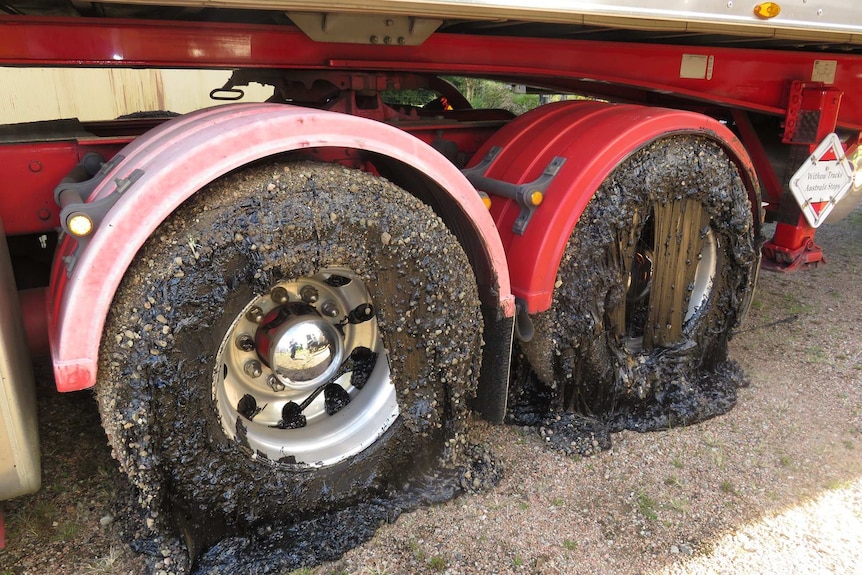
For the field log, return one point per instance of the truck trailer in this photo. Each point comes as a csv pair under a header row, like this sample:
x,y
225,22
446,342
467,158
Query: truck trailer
x,y
287,305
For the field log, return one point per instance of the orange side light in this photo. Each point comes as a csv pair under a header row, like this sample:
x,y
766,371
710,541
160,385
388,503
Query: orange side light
x,y
767,10
536,197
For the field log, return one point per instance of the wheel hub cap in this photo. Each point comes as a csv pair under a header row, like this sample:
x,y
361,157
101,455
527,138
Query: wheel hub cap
x,y
301,347
302,375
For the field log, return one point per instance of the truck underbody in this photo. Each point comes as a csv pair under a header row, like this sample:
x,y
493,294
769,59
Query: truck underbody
x,y
337,277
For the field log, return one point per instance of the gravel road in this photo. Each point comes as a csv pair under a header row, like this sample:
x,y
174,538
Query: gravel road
x,y
775,486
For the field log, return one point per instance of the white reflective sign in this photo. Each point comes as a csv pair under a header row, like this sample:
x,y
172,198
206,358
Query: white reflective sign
x,y
822,180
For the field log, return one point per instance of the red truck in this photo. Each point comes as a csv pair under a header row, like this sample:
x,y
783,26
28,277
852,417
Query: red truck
x,y
284,306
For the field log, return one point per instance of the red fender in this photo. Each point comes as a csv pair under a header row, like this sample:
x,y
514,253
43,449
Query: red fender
x,y
182,156
593,137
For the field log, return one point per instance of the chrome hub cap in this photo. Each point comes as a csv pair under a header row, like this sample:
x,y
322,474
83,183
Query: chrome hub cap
x,y
302,375
302,349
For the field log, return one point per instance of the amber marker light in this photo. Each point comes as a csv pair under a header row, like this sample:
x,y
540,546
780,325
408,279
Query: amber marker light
x,y
767,10
536,197
80,225
486,199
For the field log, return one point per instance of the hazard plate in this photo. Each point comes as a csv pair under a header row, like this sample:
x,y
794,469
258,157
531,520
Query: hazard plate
x,y
822,180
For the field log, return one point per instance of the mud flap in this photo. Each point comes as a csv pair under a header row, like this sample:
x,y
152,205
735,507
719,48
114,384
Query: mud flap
x,y
493,386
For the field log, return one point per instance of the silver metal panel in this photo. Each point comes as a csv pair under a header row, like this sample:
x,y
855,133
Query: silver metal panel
x,y
20,472
812,17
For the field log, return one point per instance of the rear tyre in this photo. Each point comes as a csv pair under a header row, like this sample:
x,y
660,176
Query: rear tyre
x,y
656,274
294,338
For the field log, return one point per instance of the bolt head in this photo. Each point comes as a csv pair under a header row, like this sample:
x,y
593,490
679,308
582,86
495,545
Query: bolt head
x,y
252,368
279,295
329,308
275,384
309,294
255,314
245,342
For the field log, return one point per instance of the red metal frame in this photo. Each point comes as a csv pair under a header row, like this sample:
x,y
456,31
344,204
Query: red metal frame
x,y
812,113
751,139
594,138
741,78
27,206
183,155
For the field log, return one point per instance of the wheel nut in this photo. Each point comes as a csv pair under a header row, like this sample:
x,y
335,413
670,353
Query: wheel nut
x,y
274,383
279,295
309,294
255,314
245,342
252,368
329,308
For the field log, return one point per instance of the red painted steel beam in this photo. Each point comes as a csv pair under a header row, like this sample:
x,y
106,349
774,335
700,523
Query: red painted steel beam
x,y
750,79
28,174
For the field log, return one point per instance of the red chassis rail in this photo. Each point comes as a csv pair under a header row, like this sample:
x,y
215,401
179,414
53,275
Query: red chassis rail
x,y
755,80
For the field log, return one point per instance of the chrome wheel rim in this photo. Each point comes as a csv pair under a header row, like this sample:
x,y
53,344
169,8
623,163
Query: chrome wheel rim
x,y
302,376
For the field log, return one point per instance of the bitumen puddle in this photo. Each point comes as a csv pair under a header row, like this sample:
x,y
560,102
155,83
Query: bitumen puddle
x,y
203,549
278,547
680,401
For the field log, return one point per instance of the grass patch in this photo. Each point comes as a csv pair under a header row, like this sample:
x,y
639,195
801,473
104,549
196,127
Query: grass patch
x,y
785,461
794,305
569,545
672,481
68,531
104,565
728,487
646,506
836,484
416,550
816,354
679,505
437,563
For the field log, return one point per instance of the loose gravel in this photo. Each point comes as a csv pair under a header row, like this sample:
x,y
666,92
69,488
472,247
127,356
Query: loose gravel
x,y
774,486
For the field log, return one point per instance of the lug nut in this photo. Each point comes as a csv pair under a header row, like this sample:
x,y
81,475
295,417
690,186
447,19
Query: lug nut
x,y
255,314
309,294
252,368
279,295
245,342
275,384
329,308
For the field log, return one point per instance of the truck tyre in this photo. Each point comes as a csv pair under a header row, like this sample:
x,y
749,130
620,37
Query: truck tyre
x,y
655,275
294,338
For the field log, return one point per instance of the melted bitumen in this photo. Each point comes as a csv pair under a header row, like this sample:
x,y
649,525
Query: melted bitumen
x,y
204,546
572,384
679,402
576,379
274,548
253,229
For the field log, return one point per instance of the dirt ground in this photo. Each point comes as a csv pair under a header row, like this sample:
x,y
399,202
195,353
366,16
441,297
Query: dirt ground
x,y
775,486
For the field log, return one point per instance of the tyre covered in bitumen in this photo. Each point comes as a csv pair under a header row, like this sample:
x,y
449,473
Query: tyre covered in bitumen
x,y
294,338
656,274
